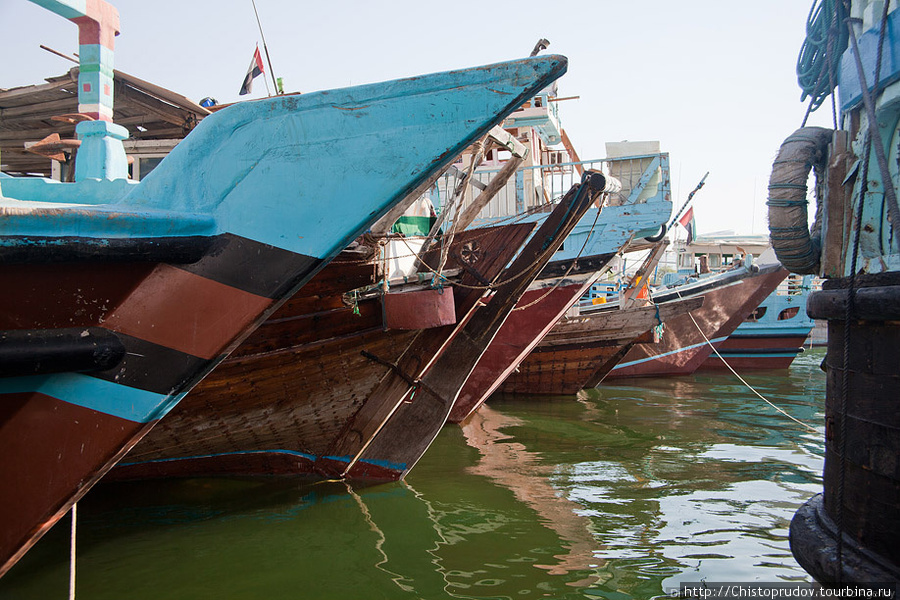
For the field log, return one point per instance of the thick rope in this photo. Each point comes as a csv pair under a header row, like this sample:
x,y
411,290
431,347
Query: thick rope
x,y
820,55
744,381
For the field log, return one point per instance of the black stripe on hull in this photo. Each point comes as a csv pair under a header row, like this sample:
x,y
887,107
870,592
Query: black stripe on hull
x,y
45,250
255,267
584,264
229,259
154,368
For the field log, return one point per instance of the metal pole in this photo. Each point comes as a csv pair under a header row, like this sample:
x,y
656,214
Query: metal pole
x,y
265,48
686,202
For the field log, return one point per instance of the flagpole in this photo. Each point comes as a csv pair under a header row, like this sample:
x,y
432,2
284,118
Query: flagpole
x,y
265,48
688,201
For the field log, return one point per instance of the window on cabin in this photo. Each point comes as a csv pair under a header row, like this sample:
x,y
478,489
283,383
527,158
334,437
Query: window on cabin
x,y
146,164
757,314
788,313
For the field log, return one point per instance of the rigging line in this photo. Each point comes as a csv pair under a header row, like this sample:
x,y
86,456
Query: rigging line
x,y
869,103
845,362
265,48
495,284
832,31
689,198
559,280
459,198
749,387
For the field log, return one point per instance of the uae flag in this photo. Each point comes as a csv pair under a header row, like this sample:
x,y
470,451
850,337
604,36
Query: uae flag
x,y
255,70
687,221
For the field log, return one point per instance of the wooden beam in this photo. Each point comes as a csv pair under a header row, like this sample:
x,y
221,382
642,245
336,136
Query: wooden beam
x,y
13,96
639,280
411,427
508,141
43,110
165,111
493,187
567,144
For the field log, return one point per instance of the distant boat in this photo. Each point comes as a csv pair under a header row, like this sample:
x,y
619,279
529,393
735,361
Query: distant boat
x,y
687,340
121,296
773,335
638,209
580,350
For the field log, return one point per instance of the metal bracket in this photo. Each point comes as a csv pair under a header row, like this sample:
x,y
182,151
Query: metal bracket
x,y
415,384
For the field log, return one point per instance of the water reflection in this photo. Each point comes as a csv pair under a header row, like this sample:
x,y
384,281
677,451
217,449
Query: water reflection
x,y
619,492
685,478
507,463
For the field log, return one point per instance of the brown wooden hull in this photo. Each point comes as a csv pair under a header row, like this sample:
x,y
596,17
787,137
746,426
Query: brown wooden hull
x,y
684,346
535,315
404,437
278,404
580,351
60,430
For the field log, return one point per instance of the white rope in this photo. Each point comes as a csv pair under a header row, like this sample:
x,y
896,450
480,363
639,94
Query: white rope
x,y
72,553
749,387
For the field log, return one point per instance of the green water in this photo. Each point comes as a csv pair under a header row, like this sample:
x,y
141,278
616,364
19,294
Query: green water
x,y
620,492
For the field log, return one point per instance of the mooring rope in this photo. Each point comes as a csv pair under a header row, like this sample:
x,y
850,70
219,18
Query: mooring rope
x,y
72,552
744,381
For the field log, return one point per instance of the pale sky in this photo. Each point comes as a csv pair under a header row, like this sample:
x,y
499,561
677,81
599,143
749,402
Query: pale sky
x,y
713,81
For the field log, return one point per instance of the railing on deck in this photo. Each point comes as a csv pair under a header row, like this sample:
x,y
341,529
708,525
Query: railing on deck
x,y
644,178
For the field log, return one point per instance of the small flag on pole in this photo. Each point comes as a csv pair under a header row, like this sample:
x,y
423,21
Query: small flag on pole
x,y
255,70
687,221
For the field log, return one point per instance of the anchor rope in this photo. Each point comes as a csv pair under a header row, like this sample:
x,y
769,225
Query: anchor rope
x,y
744,381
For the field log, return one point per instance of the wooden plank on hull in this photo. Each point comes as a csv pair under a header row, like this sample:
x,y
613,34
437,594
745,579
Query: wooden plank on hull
x,y
414,425
489,261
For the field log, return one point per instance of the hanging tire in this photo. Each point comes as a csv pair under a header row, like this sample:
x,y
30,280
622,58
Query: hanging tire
x,y
662,233
796,246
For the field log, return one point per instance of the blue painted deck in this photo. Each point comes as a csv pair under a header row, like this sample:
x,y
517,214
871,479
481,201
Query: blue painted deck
x,y
305,173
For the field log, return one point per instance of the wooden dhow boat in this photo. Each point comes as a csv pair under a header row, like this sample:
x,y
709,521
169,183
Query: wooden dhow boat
x,y
279,402
687,340
580,351
396,434
336,397
124,295
636,208
773,335
775,332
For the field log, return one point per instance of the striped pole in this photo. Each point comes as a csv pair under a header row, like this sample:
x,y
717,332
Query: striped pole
x,y
101,155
